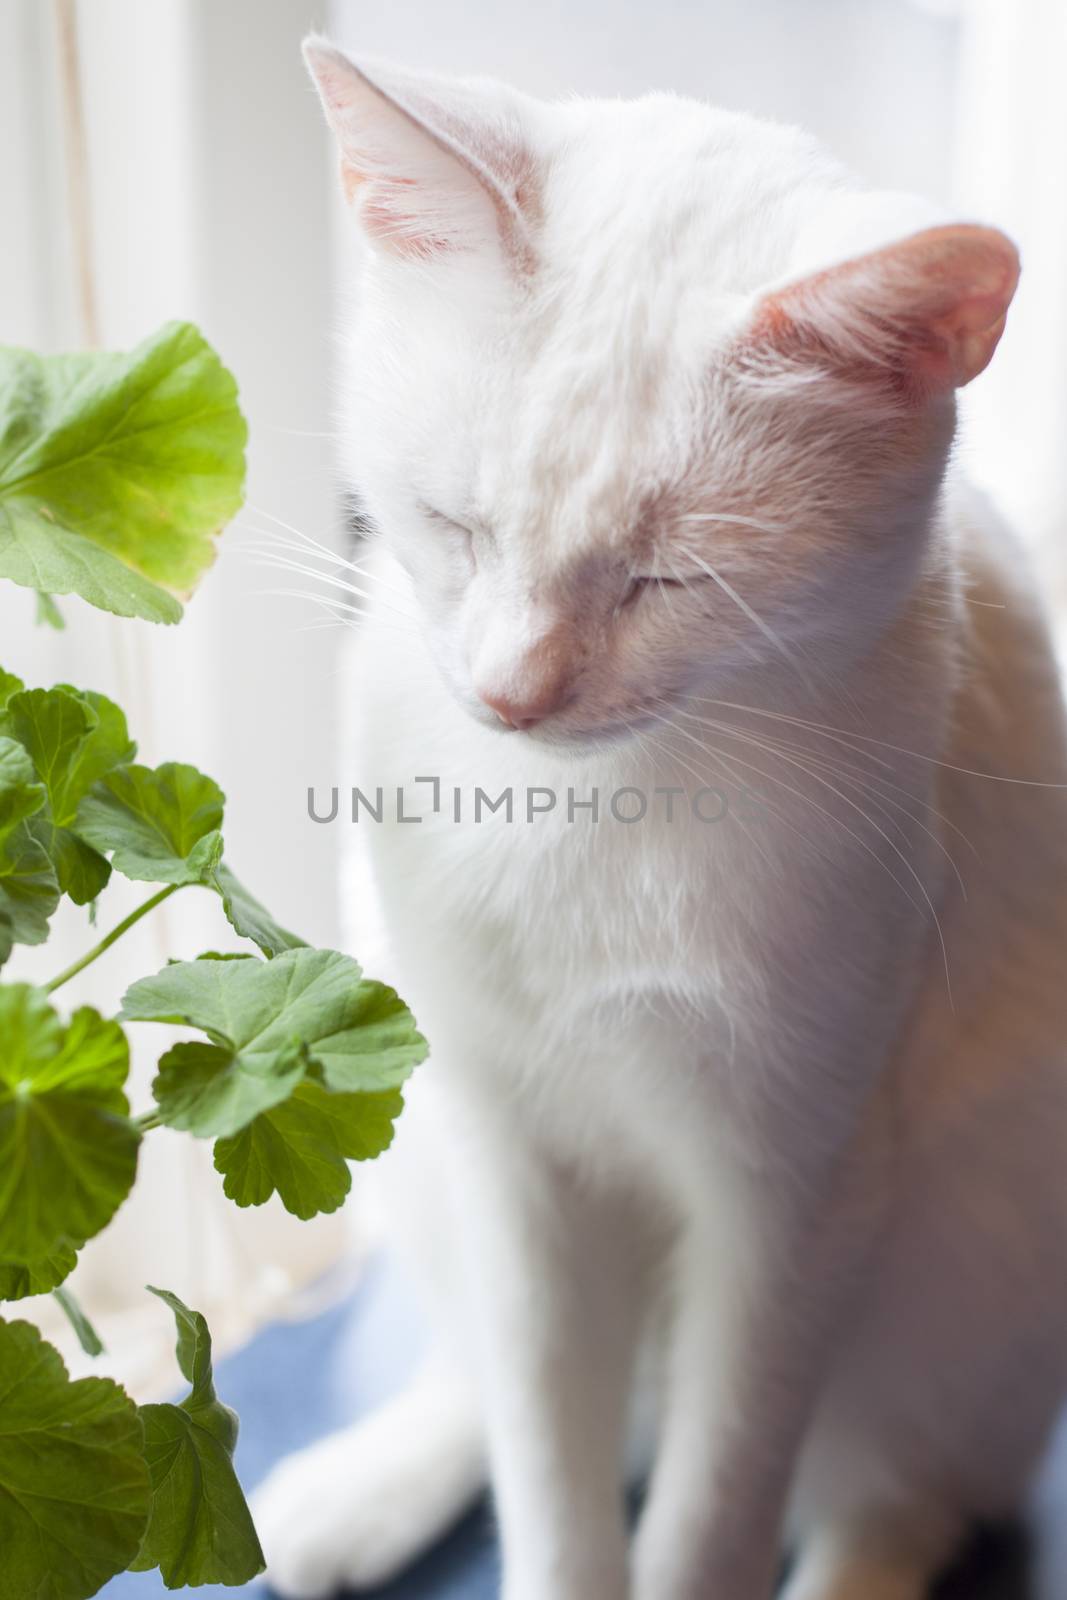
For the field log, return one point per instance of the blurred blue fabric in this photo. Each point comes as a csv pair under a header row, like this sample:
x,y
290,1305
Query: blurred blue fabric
x,y
299,1380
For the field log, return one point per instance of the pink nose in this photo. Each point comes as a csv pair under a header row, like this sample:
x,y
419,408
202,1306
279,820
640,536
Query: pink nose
x,y
532,683
516,713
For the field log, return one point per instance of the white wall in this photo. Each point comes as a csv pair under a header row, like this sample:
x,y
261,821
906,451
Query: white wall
x,y
873,78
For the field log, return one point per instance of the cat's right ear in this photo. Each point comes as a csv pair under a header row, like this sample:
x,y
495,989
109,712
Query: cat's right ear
x,y
431,166
924,314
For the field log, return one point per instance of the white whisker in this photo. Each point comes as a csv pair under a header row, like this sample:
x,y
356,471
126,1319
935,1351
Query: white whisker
x,y
865,844
736,517
304,544
866,755
884,744
845,773
332,605
752,615
287,564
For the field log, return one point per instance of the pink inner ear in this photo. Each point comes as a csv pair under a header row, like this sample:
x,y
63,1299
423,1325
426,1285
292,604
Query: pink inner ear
x,y
385,218
432,167
927,312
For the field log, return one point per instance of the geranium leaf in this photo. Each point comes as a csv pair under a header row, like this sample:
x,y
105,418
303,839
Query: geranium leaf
x,y
250,919
29,889
161,825
107,745
19,1280
74,1486
211,1090
25,902
81,872
117,471
73,739
359,1032
9,685
200,1530
51,725
20,793
299,1150
193,1349
68,1151
301,1075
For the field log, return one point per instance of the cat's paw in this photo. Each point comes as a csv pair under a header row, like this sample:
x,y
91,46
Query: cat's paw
x,y
330,1517
354,1510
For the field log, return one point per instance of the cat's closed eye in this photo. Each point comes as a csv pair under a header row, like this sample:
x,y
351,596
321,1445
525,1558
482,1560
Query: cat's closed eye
x,y
432,514
652,582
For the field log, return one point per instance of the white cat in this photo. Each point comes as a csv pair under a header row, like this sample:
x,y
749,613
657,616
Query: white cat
x,y
654,408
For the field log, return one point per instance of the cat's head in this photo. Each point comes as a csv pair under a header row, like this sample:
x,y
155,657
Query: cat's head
x,y
646,395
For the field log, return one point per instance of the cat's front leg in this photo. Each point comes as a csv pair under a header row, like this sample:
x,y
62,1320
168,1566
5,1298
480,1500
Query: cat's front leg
x,y
760,1275
552,1348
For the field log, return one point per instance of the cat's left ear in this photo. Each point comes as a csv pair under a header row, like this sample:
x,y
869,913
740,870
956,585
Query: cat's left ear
x,y
430,165
927,312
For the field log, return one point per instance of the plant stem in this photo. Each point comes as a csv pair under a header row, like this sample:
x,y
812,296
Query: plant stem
x,y
88,1337
109,938
148,1120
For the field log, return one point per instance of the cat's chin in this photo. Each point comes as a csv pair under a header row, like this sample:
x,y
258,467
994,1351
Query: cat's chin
x,y
559,740
584,741
576,742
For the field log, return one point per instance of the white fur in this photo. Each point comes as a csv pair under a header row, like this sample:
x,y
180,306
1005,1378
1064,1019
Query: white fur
x,y
767,1101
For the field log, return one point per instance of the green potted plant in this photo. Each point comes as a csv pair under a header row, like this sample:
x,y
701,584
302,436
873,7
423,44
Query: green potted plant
x,y
117,472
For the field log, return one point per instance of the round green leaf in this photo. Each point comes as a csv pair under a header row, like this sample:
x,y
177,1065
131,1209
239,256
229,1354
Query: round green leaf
x,y
74,1488
68,1151
162,825
72,739
359,1032
20,793
300,1149
300,1075
117,471
9,685
209,1089
29,890
19,1280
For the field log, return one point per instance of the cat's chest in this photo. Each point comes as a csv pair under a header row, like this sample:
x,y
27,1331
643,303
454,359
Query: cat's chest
x,y
575,900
